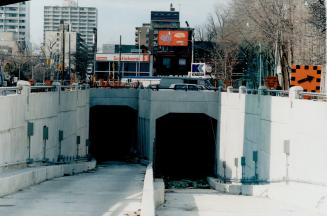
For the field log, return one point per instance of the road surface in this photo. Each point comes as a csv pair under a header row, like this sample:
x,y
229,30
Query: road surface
x,y
211,203
114,189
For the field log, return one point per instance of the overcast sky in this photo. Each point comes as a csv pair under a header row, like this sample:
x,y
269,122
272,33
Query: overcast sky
x,y
122,16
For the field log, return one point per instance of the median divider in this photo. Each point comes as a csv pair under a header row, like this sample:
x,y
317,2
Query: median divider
x,y
148,204
14,181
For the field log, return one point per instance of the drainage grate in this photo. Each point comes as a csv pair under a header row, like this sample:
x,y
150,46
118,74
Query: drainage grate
x,y
187,184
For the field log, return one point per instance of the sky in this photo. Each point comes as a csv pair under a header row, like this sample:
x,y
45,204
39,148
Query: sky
x,y
120,17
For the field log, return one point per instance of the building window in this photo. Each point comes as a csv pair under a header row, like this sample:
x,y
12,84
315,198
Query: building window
x,y
182,62
166,62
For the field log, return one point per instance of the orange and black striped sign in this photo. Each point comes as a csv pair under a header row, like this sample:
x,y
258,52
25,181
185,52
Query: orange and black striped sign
x,y
306,76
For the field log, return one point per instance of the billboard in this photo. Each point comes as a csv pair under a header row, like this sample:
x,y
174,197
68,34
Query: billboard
x,y
306,76
173,38
124,57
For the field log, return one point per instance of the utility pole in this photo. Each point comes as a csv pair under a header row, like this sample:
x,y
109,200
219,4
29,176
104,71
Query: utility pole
x,y
63,53
192,50
139,39
69,66
119,66
260,66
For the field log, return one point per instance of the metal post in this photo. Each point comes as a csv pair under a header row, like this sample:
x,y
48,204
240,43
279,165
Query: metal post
x,y
260,66
29,149
44,149
192,61
139,66
119,66
69,69
19,71
63,53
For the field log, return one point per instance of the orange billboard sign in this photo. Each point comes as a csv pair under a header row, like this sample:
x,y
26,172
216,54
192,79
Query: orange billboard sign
x,y
306,76
173,38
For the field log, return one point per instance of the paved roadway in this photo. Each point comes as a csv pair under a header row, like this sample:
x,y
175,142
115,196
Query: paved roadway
x,y
113,189
211,203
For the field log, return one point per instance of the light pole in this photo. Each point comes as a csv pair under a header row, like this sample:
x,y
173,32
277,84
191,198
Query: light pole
x,y
139,40
192,60
260,66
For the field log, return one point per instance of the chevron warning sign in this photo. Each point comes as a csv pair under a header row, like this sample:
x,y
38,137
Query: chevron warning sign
x,y
198,69
306,76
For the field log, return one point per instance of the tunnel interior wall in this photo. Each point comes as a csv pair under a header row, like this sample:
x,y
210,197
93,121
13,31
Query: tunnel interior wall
x,y
113,132
185,146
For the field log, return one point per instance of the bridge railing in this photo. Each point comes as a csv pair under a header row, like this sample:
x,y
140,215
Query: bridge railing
x,y
5,91
36,89
322,96
313,96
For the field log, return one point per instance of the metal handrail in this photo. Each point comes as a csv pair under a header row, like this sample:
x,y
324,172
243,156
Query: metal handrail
x,y
37,89
278,93
4,91
313,96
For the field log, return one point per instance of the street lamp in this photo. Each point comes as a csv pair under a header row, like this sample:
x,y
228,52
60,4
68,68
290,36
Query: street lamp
x,y
192,60
139,40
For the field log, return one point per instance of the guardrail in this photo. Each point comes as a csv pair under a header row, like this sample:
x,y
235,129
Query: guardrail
x,y
4,91
36,89
313,96
280,93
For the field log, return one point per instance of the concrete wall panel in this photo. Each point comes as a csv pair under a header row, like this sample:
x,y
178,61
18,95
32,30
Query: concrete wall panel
x,y
70,113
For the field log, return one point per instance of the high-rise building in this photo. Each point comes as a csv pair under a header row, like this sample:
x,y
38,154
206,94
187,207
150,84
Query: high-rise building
x,y
16,18
142,35
165,19
83,20
168,42
72,45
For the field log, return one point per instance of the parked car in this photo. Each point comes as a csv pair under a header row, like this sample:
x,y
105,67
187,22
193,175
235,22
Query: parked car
x,y
187,87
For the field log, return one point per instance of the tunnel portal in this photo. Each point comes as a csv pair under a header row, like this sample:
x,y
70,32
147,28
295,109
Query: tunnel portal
x,y
185,146
113,132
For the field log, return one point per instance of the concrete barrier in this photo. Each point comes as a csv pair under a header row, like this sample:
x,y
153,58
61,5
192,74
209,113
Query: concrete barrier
x,y
148,203
307,196
159,192
12,182
78,168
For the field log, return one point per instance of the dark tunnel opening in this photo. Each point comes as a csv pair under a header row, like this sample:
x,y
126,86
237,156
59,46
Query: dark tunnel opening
x,y
113,133
185,146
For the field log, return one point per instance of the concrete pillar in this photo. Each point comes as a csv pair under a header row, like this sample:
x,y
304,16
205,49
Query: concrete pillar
x,y
152,138
242,90
24,87
56,85
230,89
75,86
262,90
294,92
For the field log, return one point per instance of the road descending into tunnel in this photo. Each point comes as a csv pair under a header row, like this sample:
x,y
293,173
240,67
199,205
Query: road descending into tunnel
x,y
113,189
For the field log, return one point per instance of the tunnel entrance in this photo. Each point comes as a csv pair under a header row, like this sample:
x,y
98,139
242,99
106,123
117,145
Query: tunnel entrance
x,y
185,146
113,132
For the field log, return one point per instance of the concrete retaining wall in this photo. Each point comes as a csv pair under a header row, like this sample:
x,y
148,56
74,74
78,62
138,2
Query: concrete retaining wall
x,y
59,110
262,123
